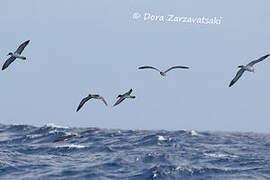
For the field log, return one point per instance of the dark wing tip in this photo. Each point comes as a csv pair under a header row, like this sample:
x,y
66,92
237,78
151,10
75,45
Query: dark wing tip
x,y
231,83
142,67
105,102
26,43
183,67
117,102
5,66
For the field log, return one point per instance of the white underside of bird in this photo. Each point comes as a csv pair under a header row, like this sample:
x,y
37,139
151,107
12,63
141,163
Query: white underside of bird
x,y
18,56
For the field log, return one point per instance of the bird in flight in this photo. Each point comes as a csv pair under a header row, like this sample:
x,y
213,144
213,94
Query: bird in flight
x,y
16,54
249,67
123,97
163,73
90,96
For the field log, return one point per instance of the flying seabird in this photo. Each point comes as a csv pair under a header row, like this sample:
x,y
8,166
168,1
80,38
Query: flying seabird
x,y
123,97
84,100
16,54
163,73
249,67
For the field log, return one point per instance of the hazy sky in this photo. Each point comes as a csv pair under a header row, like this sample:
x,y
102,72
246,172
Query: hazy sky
x,y
82,47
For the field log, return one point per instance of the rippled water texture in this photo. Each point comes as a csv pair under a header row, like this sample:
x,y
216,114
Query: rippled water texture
x,y
52,152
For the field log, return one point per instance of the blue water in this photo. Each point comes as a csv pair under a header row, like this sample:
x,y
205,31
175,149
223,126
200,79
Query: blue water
x,y
51,152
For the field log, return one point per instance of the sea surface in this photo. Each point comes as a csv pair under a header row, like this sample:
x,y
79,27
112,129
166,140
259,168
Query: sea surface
x,y
55,152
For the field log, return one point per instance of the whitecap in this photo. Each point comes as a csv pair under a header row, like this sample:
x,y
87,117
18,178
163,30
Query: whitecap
x,y
193,133
18,124
51,125
219,155
71,146
53,131
32,136
161,138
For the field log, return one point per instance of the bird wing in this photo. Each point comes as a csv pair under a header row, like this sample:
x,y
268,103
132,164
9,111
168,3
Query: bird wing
x,y
149,67
238,75
21,47
8,62
126,94
83,101
175,67
258,60
102,99
129,92
119,101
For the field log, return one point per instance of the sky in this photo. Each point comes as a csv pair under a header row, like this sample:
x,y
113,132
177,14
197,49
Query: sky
x,y
82,47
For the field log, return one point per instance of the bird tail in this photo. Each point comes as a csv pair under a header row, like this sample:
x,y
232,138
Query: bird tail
x,y
132,97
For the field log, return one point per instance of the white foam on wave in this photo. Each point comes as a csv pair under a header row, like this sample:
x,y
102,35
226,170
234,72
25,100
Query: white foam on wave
x,y
53,131
32,136
193,133
179,168
70,146
51,125
161,138
219,155
18,124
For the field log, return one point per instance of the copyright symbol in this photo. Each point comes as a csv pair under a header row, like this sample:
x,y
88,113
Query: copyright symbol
x,y
136,15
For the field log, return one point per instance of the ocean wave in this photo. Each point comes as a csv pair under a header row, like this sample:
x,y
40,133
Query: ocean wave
x,y
161,138
70,146
219,155
194,133
51,125
57,152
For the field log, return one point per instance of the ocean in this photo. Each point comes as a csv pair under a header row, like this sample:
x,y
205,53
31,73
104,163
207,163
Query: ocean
x,y
55,152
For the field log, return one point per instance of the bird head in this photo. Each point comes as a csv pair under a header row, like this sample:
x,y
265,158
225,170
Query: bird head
x,y
162,73
10,53
119,96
